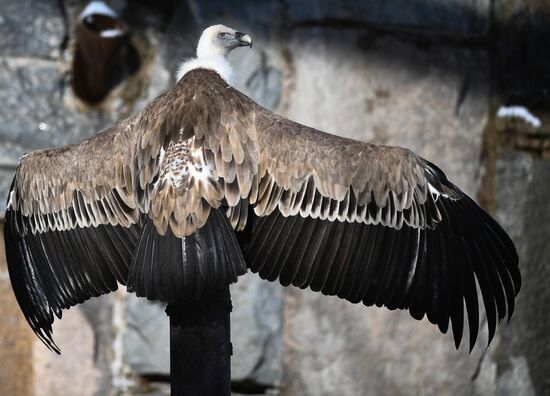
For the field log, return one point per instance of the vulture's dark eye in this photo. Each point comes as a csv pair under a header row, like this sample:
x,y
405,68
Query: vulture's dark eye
x,y
224,35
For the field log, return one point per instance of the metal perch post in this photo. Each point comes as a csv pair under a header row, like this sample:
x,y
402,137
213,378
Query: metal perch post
x,y
200,345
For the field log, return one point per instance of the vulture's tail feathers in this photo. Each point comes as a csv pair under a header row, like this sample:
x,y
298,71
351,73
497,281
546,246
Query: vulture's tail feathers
x,y
170,269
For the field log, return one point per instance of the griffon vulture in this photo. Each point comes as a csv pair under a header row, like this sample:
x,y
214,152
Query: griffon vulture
x,y
184,196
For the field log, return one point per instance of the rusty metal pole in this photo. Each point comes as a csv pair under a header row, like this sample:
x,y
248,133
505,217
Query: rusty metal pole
x,y
200,346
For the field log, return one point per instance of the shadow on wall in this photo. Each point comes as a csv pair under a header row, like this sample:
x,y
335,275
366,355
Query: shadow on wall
x,y
514,35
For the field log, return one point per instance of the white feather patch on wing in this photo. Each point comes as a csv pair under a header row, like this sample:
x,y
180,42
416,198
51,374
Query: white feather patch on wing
x,y
436,193
219,64
10,200
161,155
412,267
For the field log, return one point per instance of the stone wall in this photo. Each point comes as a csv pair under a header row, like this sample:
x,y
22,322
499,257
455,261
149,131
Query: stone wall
x,y
428,75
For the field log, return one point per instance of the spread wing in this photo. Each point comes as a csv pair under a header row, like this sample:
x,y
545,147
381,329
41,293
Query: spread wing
x,y
85,217
372,224
72,224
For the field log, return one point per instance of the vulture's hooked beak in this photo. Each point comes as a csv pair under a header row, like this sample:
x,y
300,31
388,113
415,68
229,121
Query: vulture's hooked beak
x,y
243,39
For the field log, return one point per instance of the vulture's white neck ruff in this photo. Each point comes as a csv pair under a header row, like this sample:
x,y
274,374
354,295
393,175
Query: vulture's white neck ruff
x,y
219,64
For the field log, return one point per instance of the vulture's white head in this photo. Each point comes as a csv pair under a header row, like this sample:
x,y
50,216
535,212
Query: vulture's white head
x,y
220,40
215,43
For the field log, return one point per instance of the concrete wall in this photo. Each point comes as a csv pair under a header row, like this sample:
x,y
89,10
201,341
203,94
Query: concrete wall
x,y
429,75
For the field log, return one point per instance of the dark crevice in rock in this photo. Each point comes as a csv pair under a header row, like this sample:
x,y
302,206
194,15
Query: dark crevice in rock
x,y
261,360
477,370
464,89
250,387
139,332
156,377
66,36
245,387
148,13
523,53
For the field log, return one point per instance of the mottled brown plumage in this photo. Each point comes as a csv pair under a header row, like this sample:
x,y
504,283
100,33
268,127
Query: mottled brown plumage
x,y
363,221
251,153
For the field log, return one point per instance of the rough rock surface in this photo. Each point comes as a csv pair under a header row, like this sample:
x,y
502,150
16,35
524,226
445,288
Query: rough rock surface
x,y
256,331
146,337
15,339
73,372
31,28
523,185
422,74
434,101
332,347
